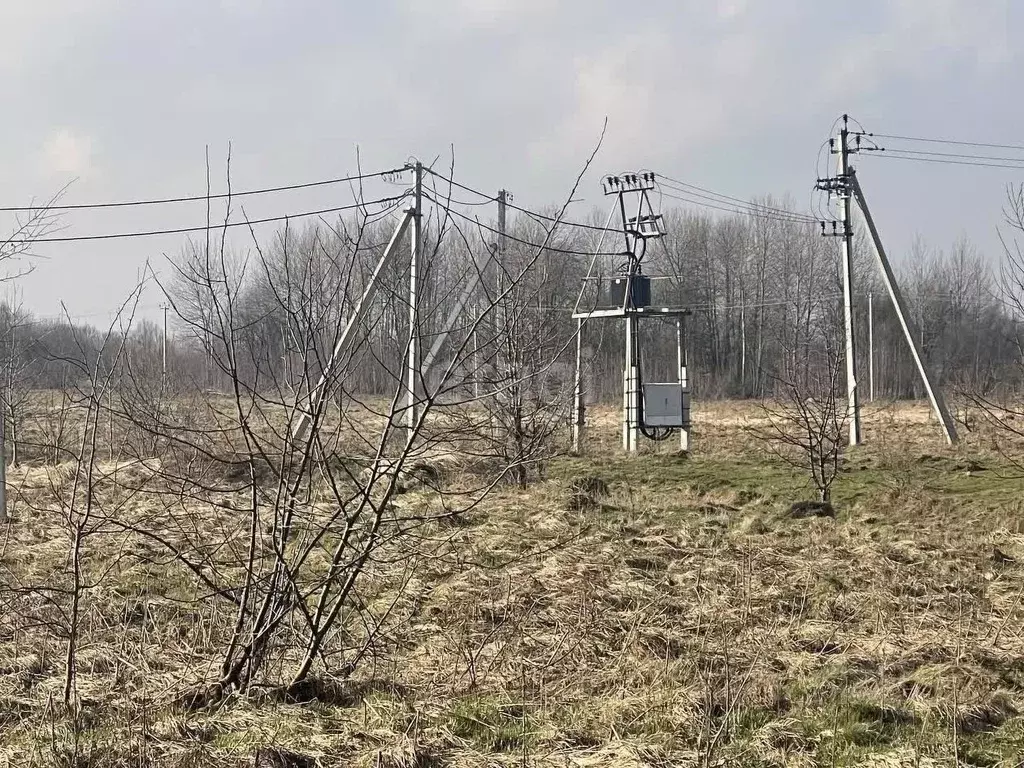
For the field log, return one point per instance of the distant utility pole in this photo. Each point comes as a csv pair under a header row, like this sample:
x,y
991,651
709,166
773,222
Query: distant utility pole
x,y
503,197
848,187
3,459
871,347
631,401
5,393
413,371
163,366
502,314
840,184
846,218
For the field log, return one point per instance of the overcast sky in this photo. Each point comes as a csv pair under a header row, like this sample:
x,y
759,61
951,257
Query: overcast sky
x,y
733,95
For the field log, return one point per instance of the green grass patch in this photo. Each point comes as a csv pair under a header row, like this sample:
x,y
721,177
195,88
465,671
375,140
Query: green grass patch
x,y
491,725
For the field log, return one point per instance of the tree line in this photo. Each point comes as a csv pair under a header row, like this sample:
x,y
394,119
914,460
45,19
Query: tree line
x,y
762,292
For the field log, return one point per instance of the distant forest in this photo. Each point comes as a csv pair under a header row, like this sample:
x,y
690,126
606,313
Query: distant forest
x,y
764,292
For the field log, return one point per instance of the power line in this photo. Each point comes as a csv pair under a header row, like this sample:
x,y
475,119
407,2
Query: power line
x,y
740,211
513,238
890,155
744,206
466,203
210,227
1018,147
198,198
765,212
718,196
487,199
492,199
796,302
953,154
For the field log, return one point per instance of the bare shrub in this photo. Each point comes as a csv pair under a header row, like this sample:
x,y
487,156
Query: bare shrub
x,y
806,421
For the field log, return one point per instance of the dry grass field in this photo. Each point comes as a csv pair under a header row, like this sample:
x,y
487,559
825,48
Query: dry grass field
x,y
657,610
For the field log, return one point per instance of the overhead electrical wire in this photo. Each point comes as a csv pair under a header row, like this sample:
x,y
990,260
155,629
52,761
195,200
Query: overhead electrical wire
x,y
199,198
894,155
767,213
726,208
801,301
910,153
713,199
562,222
210,227
958,155
1017,147
466,203
513,238
493,199
728,198
740,211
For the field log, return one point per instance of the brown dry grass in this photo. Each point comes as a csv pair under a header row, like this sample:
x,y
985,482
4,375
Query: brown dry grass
x,y
681,619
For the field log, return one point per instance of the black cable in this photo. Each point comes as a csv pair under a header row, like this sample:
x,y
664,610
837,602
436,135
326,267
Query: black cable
x,y
750,207
816,199
1018,147
492,199
211,227
741,211
468,204
197,198
891,156
767,213
515,239
562,222
719,197
655,434
952,154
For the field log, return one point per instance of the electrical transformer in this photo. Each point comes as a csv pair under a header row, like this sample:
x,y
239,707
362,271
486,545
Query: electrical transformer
x,y
666,405
640,292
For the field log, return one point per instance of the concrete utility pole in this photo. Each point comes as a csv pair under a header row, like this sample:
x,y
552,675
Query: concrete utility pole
x,y
579,405
302,424
500,249
502,219
630,395
413,371
5,393
579,398
684,380
501,313
871,347
845,217
163,366
481,266
3,459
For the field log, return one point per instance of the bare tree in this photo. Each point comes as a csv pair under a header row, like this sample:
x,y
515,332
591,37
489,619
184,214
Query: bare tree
x,y
79,489
1000,406
17,366
526,374
806,420
293,533
30,225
